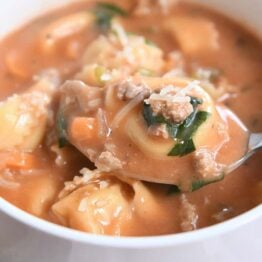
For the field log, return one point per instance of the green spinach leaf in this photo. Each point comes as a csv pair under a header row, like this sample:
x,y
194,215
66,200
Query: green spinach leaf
x,y
183,148
191,124
197,184
151,120
184,132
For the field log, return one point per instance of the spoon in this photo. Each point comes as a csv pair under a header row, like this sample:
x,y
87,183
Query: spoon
x,y
254,144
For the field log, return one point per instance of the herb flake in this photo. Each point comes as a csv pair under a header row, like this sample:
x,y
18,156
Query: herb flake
x,y
183,148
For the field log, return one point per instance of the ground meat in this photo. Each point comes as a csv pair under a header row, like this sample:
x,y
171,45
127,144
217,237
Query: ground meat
x,y
107,162
188,214
172,105
205,164
128,90
159,130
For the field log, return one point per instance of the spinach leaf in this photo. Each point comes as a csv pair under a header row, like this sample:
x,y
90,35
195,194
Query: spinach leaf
x,y
186,131
195,101
172,130
197,184
150,118
182,133
182,148
104,13
191,124
61,127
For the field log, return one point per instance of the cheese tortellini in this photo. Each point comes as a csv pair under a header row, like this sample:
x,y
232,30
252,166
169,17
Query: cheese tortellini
x,y
119,54
25,115
103,203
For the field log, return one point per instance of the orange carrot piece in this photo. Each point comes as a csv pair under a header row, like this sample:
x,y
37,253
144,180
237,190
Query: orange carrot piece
x,y
83,128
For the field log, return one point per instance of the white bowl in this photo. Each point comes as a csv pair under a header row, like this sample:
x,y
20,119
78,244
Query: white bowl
x,y
25,238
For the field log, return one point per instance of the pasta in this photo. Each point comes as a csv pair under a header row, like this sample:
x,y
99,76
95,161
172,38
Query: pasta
x,y
194,40
25,116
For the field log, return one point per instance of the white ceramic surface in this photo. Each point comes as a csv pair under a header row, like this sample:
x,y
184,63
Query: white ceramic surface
x,y
24,238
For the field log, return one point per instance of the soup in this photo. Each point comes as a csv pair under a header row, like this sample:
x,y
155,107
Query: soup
x,y
120,118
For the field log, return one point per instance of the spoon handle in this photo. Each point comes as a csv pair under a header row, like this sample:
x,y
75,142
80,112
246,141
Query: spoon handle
x,y
254,144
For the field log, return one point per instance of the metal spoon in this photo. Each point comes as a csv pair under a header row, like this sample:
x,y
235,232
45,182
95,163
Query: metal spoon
x,y
254,144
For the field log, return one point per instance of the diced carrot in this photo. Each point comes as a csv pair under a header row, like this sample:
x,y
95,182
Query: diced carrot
x,y
21,160
83,128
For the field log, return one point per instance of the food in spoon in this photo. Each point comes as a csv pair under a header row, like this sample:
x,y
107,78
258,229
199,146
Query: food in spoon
x,y
162,129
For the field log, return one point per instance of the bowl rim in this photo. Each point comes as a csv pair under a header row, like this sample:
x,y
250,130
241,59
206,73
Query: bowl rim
x,y
146,242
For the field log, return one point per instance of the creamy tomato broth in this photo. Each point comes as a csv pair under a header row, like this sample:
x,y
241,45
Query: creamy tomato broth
x,y
99,101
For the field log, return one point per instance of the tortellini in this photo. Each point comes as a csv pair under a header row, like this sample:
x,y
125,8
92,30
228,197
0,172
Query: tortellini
x,y
25,115
109,58
161,148
103,203
195,35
